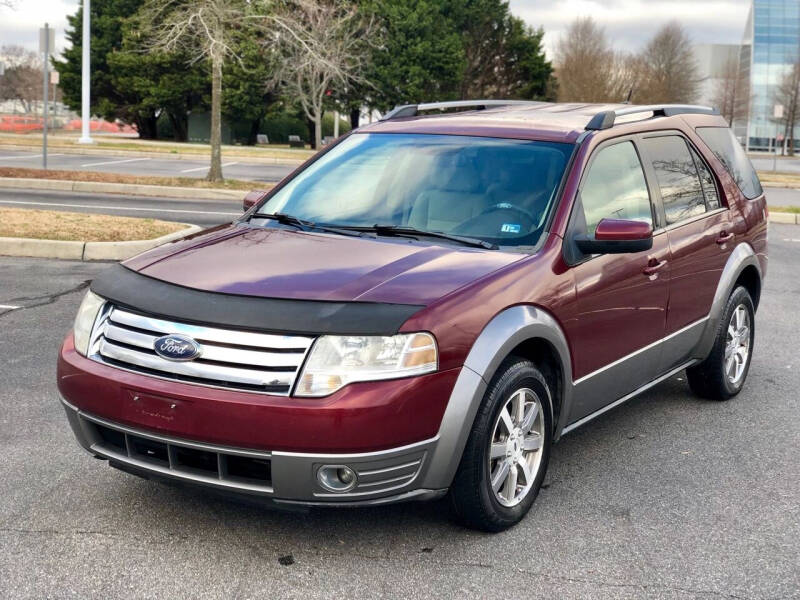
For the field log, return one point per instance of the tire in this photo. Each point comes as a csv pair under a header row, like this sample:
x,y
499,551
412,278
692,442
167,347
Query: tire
x,y
714,379
475,502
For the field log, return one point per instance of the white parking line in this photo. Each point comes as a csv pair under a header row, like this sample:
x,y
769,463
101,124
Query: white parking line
x,y
9,307
230,164
31,156
114,162
130,208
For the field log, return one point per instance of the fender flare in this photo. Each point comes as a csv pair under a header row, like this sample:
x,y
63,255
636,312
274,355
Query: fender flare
x,y
501,335
743,256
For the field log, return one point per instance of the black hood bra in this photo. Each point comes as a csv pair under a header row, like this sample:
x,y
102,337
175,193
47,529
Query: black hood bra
x,y
129,289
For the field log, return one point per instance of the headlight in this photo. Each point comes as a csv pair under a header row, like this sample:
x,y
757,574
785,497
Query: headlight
x,y
84,321
336,360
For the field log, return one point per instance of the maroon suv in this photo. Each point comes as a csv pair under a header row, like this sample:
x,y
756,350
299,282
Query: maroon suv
x,y
427,306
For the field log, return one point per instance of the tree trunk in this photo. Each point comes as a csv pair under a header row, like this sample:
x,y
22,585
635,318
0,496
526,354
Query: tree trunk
x,y
355,117
318,129
311,135
147,127
215,172
180,126
252,136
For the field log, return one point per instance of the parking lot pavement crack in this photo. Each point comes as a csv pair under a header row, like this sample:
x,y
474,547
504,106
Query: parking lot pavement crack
x,y
25,302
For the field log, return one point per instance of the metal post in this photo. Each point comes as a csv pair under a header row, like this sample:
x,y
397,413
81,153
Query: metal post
x,y
86,74
336,124
46,87
775,152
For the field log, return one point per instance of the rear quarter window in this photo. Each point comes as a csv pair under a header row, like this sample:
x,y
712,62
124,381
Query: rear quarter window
x,y
731,154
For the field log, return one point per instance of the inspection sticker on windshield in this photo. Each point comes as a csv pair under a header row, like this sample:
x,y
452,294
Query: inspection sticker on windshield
x,y
510,228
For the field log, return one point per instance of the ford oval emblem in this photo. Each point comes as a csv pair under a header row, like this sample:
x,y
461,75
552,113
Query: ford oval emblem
x,y
176,347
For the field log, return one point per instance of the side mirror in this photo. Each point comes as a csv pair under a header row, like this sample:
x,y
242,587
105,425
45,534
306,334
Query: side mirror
x,y
617,236
253,198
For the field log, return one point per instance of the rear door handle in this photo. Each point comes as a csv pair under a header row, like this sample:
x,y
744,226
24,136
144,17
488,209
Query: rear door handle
x,y
654,266
724,237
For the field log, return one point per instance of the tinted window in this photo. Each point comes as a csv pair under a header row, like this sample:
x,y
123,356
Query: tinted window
x,y
677,177
709,186
500,190
615,187
731,154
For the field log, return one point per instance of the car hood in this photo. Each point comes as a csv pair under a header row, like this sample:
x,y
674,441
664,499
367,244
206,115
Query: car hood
x,y
280,263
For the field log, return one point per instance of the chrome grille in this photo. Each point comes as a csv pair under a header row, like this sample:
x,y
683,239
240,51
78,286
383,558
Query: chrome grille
x,y
244,360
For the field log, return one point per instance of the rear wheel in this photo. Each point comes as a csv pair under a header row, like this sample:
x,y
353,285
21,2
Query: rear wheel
x,y
722,375
506,456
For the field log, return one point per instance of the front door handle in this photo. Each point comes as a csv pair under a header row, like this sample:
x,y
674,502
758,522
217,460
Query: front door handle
x,y
654,266
724,237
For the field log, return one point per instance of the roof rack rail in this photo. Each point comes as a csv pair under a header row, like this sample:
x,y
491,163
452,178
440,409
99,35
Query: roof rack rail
x,y
412,110
605,119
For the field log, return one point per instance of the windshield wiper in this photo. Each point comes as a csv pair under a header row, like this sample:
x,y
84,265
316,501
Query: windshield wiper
x,y
304,225
404,230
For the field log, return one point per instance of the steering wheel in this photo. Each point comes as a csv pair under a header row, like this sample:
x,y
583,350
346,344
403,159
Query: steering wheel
x,y
509,206
467,227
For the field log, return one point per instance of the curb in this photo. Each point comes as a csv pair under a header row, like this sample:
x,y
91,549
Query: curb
x,y
267,160
132,189
784,218
67,250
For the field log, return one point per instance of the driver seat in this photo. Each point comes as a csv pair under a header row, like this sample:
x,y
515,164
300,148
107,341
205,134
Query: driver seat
x,y
455,196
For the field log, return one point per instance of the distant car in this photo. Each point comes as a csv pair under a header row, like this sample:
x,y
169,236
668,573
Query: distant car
x,y
427,306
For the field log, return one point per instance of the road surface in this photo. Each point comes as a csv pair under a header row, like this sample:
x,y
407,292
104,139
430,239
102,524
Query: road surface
x,y
198,212
667,496
782,196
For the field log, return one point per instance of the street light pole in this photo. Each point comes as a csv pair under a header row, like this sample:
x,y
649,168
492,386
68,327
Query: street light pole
x,y
86,74
45,42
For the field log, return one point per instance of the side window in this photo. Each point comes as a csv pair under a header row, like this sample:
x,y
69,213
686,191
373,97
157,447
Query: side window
x,y
677,177
709,187
731,154
615,187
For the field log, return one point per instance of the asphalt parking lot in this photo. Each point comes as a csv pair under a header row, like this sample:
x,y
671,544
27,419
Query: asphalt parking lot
x,y
233,168
667,496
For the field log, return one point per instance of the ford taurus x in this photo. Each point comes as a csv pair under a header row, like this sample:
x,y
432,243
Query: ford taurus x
x,y
427,306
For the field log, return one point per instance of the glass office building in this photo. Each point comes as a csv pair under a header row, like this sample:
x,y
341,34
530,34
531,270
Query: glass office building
x,y
770,46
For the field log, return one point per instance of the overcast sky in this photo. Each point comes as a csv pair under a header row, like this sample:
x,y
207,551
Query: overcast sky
x,y
628,22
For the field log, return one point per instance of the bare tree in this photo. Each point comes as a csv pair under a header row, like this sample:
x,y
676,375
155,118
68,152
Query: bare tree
x,y
583,61
788,94
22,80
625,77
204,30
669,70
730,93
321,45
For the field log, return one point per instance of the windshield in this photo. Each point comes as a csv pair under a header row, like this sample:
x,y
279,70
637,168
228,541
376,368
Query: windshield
x,y
497,190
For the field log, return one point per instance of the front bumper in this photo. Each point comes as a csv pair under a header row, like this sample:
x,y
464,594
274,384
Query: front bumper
x,y
285,477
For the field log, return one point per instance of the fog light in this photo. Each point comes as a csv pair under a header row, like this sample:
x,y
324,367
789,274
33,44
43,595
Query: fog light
x,y
337,478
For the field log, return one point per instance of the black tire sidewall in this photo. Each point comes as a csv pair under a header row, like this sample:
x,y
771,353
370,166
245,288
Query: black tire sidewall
x,y
740,296
521,374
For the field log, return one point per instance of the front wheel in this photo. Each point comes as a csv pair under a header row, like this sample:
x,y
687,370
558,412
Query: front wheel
x,y
722,375
506,455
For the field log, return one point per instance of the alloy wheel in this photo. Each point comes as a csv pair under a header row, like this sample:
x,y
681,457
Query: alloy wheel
x,y
515,451
737,345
